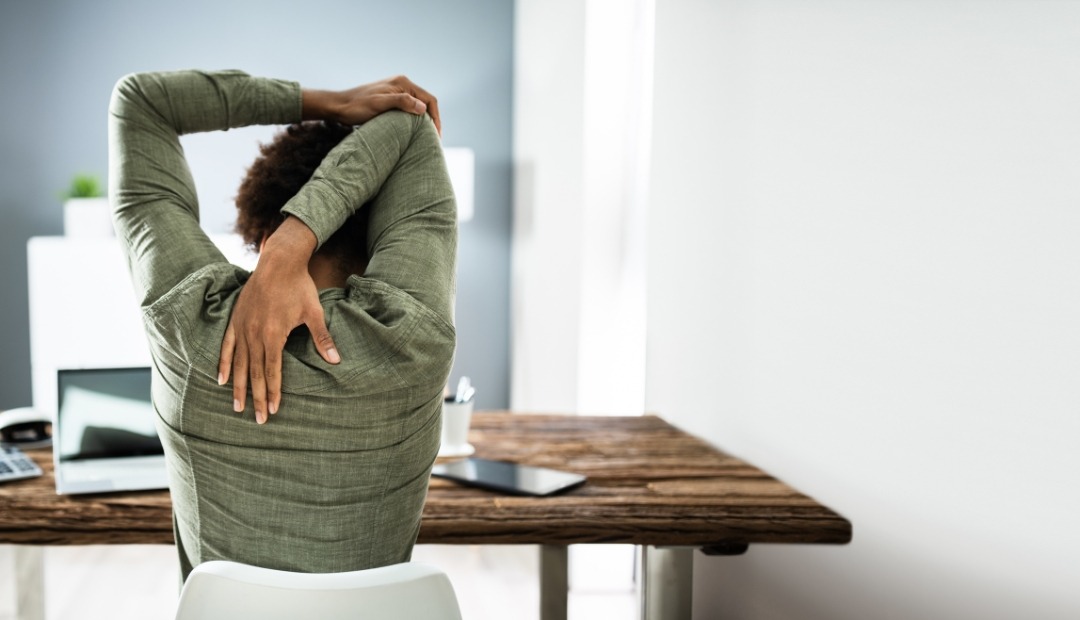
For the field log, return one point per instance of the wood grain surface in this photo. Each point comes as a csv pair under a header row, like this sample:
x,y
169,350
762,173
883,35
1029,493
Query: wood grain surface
x,y
648,483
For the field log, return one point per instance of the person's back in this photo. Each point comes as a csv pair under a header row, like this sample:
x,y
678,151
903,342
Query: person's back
x,y
338,478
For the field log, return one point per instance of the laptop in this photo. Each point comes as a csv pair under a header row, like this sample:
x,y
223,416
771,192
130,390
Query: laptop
x,y
104,437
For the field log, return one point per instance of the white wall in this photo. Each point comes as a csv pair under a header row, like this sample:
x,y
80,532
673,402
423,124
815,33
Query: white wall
x,y
863,277
549,91
582,80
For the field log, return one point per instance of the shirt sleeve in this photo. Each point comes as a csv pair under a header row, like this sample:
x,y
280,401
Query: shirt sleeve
x,y
155,208
394,163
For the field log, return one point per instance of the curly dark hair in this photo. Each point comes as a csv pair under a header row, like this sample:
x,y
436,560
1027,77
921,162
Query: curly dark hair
x,y
284,165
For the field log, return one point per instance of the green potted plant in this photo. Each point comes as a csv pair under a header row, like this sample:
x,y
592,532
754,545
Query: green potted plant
x,y
86,209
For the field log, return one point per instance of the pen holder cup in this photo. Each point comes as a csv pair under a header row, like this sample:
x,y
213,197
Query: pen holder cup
x,y
456,417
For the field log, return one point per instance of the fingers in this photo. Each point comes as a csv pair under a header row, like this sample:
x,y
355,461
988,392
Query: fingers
x,y
258,383
260,369
240,377
263,367
250,363
273,380
320,336
363,103
430,103
432,106
398,101
237,359
228,344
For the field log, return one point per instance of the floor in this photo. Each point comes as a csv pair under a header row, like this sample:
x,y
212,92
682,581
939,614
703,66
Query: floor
x,y
140,582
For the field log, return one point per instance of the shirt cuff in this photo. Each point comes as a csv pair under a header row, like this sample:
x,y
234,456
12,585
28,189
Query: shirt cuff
x,y
321,208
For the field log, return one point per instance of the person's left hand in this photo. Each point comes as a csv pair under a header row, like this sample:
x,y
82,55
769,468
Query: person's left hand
x,y
279,297
363,103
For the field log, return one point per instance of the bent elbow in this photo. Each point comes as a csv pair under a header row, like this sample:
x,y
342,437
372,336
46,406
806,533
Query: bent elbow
x,y
123,92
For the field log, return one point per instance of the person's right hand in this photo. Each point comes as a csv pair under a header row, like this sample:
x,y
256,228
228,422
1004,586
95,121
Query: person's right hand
x,y
279,296
363,103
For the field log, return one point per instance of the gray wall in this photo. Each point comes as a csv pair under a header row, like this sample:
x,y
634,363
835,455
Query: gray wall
x,y
59,61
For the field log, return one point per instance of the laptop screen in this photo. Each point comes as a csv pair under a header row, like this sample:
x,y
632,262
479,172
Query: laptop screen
x,y
105,413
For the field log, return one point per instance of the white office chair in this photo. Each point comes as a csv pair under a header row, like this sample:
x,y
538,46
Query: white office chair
x,y
232,591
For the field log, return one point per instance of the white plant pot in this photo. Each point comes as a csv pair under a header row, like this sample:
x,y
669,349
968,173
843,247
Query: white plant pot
x,y
88,217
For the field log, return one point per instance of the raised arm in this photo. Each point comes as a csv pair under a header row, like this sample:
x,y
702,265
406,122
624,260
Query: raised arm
x,y
155,208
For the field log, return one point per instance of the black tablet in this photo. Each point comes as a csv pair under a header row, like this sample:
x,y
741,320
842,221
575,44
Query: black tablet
x,y
508,477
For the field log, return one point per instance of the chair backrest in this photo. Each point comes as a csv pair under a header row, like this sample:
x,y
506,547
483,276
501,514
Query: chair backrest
x,y
232,591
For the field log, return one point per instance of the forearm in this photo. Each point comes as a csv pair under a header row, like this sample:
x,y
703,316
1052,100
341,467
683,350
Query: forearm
x,y
320,105
290,247
194,101
353,173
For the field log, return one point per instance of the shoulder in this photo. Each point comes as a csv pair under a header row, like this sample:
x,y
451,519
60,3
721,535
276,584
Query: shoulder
x,y
190,319
387,339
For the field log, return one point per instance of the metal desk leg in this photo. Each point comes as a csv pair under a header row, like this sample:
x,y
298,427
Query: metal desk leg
x,y
554,582
667,582
30,582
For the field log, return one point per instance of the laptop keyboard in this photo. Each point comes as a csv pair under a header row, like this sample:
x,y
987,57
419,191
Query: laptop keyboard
x,y
15,465
133,468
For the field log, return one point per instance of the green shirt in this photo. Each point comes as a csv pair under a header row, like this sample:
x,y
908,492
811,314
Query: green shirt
x,y
337,479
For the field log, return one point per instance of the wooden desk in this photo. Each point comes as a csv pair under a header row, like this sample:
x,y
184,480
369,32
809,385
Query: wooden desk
x,y
649,484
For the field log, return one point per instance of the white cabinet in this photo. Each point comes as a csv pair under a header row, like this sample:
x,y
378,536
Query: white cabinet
x,y
83,312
